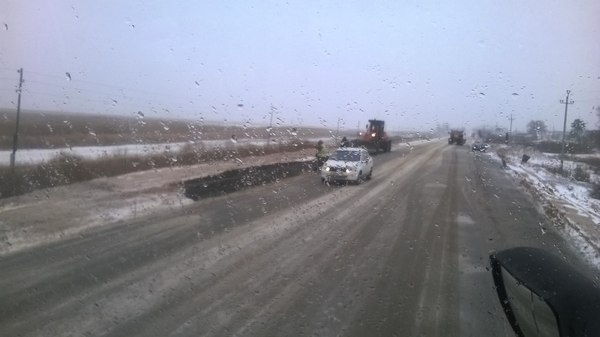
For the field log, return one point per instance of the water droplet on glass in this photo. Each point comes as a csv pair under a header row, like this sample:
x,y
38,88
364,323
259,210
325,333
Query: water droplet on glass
x,y
140,115
68,76
481,94
515,94
197,84
5,26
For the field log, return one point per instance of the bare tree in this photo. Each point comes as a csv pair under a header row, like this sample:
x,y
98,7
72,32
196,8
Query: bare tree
x,y
537,128
577,130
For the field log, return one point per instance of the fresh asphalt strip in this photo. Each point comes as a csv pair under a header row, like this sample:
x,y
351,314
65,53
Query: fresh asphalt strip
x,y
238,179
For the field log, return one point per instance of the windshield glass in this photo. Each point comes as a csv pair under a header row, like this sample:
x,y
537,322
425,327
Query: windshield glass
x,y
345,155
164,164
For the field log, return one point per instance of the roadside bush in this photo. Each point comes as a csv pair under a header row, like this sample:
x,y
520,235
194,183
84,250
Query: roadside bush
x,y
556,147
12,184
556,170
595,193
593,162
581,174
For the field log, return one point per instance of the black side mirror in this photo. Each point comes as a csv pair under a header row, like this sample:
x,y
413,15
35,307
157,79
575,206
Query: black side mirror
x,y
542,295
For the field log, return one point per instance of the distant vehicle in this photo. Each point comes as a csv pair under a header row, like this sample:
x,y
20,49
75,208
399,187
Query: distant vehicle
x,y
457,137
347,164
479,146
374,138
542,295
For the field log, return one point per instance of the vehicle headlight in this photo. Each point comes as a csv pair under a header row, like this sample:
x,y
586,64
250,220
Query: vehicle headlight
x,y
327,168
373,134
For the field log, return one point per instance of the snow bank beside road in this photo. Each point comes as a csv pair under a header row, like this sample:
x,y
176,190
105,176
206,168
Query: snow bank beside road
x,y
565,201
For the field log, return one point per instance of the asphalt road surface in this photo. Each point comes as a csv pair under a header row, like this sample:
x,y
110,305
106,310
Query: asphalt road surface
x,y
404,254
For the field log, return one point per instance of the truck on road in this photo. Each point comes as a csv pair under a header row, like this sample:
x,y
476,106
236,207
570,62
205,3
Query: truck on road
x,y
457,137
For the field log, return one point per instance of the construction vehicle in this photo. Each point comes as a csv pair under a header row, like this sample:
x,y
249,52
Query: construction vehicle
x,y
374,137
457,137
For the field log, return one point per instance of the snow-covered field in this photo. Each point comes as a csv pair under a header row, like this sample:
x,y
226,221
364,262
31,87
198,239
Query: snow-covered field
x,y
566,201
37,156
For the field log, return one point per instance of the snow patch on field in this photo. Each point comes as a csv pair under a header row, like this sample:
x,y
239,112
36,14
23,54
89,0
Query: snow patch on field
x,y
573,193
566,200
96,216
136,207
36,156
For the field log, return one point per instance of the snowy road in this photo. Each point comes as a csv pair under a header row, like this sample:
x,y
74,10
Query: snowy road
x,y
404,254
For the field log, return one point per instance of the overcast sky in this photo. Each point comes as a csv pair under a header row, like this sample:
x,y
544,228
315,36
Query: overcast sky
x,y
412,63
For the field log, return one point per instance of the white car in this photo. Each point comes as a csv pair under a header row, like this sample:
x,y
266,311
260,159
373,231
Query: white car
x,y
348,164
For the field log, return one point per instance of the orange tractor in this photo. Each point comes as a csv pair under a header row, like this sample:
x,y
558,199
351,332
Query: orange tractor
x,y
374,137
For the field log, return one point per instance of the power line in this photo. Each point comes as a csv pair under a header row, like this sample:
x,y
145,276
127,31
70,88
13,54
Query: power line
x,y
107,85
118,92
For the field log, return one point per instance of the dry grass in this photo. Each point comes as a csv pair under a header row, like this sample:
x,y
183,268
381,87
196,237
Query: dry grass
x,y
592,162
40,129
556,170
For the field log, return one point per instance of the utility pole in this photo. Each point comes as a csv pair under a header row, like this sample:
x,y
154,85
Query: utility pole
x,y
16,135
270,126
511,119
566,102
